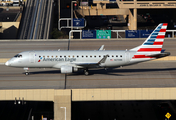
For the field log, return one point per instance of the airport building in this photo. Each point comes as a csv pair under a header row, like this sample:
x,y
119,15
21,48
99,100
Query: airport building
x,y
153,12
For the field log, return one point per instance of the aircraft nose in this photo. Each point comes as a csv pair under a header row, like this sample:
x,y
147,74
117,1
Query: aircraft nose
x,y
7,63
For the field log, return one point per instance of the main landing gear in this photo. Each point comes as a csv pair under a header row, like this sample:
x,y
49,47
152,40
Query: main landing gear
x,y
26,71
86,72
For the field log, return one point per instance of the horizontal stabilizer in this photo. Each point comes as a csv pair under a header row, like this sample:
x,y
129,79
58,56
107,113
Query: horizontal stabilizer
x,y
159,55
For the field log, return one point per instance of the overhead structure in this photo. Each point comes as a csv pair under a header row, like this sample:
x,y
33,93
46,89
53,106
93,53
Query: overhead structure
x,y
64,98
124,8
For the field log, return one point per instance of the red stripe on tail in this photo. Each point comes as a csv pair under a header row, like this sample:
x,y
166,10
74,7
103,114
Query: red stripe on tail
x,y
162,30
158,43
164,24
149,49
141,56
160,36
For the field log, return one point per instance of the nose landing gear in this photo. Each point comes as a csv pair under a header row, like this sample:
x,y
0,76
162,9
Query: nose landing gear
x,y
26,71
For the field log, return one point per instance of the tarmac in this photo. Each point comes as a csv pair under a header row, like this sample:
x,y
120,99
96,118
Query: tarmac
x,y
160,73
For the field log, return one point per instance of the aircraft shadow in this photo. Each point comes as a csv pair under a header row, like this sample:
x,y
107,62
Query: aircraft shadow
x,y
116,71
103,71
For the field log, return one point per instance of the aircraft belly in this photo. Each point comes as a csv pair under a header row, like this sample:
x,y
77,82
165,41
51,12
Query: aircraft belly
x,y
114,63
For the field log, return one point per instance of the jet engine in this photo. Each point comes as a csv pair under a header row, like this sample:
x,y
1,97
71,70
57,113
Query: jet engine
x,y
68,69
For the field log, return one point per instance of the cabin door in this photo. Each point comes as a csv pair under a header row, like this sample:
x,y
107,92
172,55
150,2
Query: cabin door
x,y
127,56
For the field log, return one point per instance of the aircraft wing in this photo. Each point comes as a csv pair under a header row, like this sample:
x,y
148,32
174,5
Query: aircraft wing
x,y
86,64
82,64
92,64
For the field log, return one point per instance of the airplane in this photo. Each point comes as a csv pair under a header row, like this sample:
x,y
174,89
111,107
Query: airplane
x,y
72,61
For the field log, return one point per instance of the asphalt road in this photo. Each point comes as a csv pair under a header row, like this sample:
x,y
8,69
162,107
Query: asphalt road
x,y
10,48
148,74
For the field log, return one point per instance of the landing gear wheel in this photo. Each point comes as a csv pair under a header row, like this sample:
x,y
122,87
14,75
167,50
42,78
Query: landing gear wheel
x,y
27,73
86,72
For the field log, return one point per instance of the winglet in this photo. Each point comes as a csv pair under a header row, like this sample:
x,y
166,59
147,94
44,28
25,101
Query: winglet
x,y
101,48
103,59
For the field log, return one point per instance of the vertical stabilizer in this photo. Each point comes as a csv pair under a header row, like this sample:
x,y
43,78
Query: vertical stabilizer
x,y
153,44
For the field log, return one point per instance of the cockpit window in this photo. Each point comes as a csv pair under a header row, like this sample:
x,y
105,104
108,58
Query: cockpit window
x,y
18,56
15,55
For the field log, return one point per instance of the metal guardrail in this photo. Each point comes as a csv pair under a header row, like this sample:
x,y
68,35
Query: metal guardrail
x,y
67,19
117,31
68,25
70,33
172,31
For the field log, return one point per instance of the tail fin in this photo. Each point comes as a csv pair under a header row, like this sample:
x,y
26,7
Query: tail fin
x,y
154,43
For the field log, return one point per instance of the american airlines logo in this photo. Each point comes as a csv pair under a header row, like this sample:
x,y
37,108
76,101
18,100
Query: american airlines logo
x,y
40,58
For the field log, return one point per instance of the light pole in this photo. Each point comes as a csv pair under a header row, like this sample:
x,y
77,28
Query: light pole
x,y
72,14
65,111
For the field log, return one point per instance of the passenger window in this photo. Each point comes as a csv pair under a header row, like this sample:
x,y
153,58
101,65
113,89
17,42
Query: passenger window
x,y
91,56
48,56
44,56
69,56
99,55
82,56
120,55
95,56
116,55
77,56
52,56
56,56
112,55
86,56
64,56
73,56
108,55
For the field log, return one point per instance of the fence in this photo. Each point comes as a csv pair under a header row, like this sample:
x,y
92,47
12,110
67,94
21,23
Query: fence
x,y
169,34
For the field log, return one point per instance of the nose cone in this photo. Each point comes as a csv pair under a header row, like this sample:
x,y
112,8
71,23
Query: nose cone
x,y
7,63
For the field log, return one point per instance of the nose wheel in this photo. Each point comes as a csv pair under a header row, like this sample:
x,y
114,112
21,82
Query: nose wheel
x,y
26,71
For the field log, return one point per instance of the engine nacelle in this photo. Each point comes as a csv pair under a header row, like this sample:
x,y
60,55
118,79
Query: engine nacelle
x,y
68,69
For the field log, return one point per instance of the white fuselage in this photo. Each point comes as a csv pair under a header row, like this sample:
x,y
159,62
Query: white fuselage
x,y
55,59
